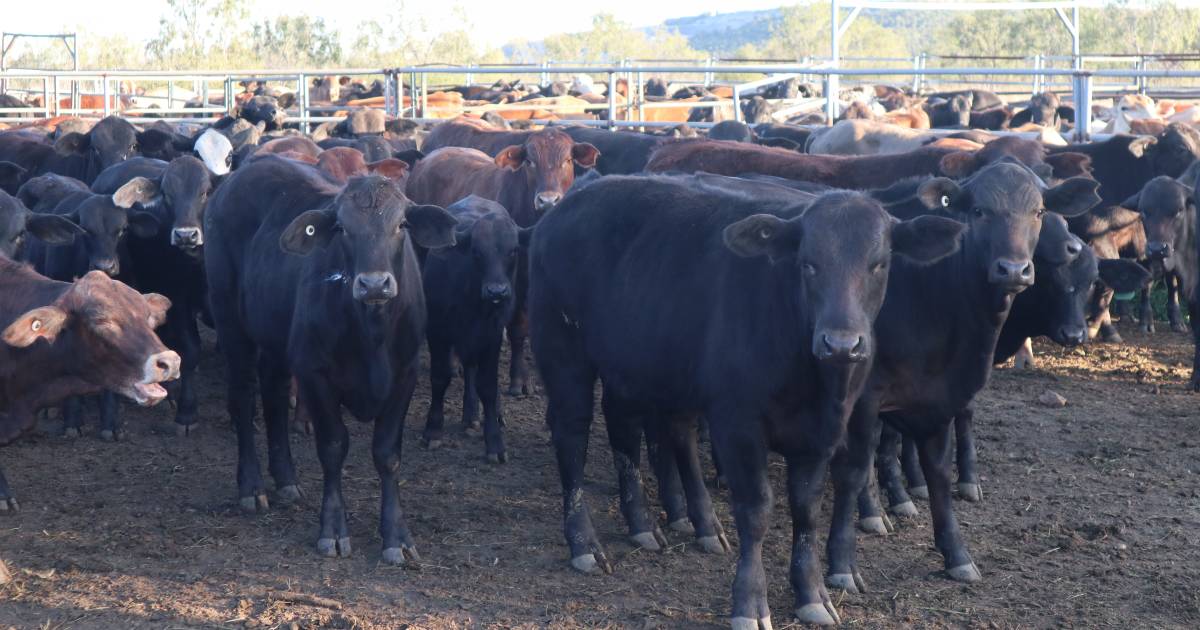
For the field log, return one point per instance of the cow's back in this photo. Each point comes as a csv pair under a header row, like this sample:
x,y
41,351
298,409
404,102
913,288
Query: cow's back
x,y
451,173
479,135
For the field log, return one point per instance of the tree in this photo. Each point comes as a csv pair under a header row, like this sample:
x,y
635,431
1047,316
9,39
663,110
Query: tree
x,y
294,42
195,34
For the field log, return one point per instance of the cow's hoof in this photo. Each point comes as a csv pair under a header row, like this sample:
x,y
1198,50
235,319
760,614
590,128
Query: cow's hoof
x,y
879,525
184,430
817,614
289,494
301,427
9,504
401,556
334,547
109,435
919,492
1147,328
497,458
970,492
472,429
1179,328
585,564
849,582
718,544
433,444
71,432
904,510
750,623
650,541
254,504
968,573
682,526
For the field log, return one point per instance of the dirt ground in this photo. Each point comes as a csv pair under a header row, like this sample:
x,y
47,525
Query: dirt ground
x,y
1090,519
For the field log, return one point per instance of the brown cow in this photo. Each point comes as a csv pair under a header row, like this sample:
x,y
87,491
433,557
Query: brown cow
x,y
291,144
854,172
528,177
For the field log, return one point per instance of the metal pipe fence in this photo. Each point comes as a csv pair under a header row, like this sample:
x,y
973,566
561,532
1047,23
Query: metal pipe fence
x,y
406,90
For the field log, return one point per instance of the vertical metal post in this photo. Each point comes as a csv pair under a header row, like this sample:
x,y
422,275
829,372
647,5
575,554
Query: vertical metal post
x,y
1075,36
170,95
545,74
55,96
424,95
302,90
737,104
612,100
46,95
470,75
1081,84
229,104
708,74
105,92
641,98
916,81
831,80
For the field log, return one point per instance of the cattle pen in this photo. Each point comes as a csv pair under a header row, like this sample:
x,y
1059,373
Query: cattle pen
x,y
407,90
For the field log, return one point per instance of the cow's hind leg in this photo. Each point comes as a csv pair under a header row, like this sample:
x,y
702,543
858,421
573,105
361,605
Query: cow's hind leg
x,y
72,413
684,441
1174,313
624,426
8,503
441,372
274,381
968,474
187,414
666,472
891,478
911,464
110,407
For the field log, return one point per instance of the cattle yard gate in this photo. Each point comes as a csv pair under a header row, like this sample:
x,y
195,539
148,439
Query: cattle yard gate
x,y
198,96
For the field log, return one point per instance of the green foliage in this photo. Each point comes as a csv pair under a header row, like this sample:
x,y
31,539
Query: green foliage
x,y
803,30
296,42
610,41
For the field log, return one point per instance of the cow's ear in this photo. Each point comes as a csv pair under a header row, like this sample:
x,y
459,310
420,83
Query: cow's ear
x,y
958,164
938,193
1123,275
1141,144
764,235
143,224
928,239
1067,113
40,323
390,168
1132,202
431,226
73,143
52,228
511,157
524,237
137,190
1021,117
308,232
1072,197
409,156
159,305
585,154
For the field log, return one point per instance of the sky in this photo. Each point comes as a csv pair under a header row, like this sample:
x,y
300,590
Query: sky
x,y
495,22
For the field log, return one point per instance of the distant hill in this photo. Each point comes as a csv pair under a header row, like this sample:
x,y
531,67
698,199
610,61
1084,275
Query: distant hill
x,y
724,32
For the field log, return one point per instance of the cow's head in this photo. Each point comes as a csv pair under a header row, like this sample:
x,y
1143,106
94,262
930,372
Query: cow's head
x,y
1175,149
215,150
107,330
105,219
111,141
492,243
1056,244
266,110
840,250
1004,204
177,198
11,177
17,223
1167,207
549,157
370,223
1063,292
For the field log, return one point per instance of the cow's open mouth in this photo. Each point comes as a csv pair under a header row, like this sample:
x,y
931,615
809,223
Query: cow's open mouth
x,y
146,394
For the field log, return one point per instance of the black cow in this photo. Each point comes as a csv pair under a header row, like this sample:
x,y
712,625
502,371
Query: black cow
x,y
75,154
469,293
979,100
169,261
620,153
320,283
17,222
950,113
1168,210
936,334
730,130
12,176
1123,165
1056,307
796,135
1044,109
773,357
264,109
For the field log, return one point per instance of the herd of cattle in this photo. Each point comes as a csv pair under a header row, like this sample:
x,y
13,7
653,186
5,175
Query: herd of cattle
x,y
825,294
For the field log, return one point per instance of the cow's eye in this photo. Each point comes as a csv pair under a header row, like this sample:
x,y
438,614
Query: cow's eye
x,y
978,212
878,267
400,227
1041,212
809,269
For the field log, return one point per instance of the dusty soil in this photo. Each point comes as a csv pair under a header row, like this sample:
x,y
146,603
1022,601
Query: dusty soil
x,y
1090,519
